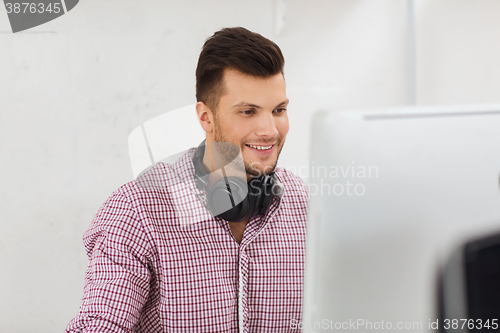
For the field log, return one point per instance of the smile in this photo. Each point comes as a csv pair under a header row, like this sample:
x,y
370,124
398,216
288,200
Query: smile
x,y
261,147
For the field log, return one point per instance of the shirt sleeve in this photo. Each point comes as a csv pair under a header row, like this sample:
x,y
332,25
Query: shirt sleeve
x,y
117,278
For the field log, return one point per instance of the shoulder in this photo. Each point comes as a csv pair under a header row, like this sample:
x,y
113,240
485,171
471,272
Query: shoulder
x,y
157,177
293,184
127,218
116,227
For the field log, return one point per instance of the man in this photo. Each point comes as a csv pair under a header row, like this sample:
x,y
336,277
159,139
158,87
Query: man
x,y
161,262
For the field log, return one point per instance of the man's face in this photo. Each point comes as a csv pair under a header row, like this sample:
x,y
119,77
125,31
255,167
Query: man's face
x,y
252,114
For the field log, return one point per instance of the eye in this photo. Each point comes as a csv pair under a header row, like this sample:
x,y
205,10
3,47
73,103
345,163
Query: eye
x,y
280,111
248,112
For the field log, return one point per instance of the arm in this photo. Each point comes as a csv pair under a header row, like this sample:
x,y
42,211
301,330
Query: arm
x,y
117,278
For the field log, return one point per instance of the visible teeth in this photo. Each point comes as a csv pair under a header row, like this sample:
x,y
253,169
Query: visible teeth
x,y
261,147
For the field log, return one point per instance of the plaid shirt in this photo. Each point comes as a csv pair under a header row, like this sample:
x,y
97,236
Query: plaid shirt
x,y
160,262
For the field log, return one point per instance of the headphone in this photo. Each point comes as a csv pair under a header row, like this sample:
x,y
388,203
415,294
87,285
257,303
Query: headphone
x,y
232,198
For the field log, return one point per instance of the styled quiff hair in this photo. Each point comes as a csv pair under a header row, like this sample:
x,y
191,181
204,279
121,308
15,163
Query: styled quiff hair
x,y
234,48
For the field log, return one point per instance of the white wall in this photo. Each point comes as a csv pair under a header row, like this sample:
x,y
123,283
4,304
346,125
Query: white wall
x,y
73,89
458,48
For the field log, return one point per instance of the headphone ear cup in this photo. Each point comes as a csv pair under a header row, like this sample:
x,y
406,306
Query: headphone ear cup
x,y
239,213
264,195
266,201
255,193
231,203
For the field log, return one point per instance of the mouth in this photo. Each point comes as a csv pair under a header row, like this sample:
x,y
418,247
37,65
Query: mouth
x,y
263,150
260,147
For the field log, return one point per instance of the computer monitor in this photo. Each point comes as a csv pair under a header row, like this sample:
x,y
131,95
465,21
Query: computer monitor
x,y
468,285
392,194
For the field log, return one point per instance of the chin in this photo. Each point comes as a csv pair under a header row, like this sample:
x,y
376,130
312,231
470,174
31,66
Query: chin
x,y
257,171
261,165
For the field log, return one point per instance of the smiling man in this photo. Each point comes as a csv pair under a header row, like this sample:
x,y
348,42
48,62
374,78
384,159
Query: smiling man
x,y
251,113
161,259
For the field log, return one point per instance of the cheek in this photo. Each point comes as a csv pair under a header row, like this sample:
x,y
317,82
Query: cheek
x,y
283,126
236,130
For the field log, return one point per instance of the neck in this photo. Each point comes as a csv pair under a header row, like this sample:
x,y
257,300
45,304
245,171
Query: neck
x,y
207,160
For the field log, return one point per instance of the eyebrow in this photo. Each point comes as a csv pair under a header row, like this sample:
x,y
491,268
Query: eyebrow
x,y
256,106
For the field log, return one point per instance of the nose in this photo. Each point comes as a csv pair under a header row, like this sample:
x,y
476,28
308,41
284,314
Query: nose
x,y
267,126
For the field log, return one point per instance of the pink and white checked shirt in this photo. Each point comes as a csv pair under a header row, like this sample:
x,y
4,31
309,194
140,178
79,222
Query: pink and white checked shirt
x,y
160,262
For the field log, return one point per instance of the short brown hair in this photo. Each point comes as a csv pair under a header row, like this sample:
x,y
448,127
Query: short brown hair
x,y
235,48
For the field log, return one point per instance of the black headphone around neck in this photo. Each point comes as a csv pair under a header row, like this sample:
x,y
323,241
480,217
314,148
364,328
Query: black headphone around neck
x,y
234,198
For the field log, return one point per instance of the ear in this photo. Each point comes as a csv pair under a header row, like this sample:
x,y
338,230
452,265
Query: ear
x,y
205,117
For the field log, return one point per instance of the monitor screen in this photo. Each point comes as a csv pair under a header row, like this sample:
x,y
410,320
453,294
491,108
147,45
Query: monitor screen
x,y
392,193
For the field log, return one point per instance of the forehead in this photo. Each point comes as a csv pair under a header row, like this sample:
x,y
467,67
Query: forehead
x,y
240,87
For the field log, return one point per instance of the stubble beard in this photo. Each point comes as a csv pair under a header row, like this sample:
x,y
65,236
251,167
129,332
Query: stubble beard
x,y
250,169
